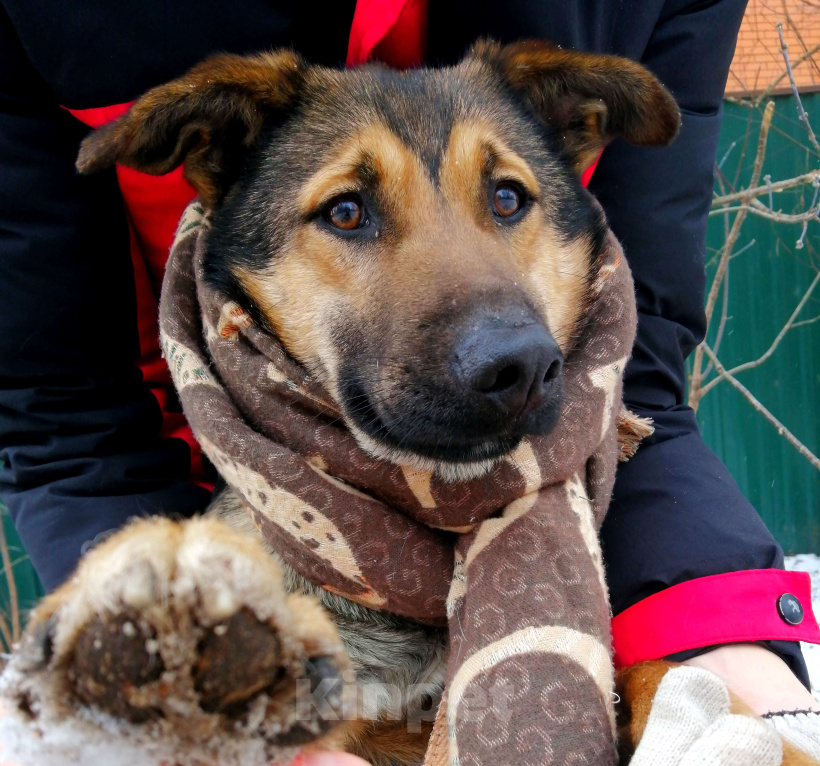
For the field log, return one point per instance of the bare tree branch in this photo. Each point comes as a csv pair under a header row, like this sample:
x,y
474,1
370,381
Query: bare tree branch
x,y
750,397
759,209
5,633
759,191
738,222
804,322
724,319
8,569
802,240
736,205
696,378
804,118
798,35
790,324
797,62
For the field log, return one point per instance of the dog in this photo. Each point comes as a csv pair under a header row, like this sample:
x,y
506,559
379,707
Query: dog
x,y
380,224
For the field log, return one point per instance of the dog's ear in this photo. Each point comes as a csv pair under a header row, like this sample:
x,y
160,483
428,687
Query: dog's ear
x,y
207,119
588,98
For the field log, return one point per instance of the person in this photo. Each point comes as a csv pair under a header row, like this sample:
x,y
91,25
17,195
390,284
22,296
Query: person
x,y
90,432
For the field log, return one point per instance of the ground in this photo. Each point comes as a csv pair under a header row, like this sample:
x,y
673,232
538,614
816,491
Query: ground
x,y
807,562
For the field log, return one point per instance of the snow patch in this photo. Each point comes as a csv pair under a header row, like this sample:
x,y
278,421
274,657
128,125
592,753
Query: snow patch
x,y
808,562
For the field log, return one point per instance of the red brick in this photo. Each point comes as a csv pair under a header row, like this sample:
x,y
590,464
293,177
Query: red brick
x,y
758,60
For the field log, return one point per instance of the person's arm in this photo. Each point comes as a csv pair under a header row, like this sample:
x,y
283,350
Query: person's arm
x,y
79,447
676,514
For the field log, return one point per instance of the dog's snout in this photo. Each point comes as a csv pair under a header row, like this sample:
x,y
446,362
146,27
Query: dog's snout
x,y
513,367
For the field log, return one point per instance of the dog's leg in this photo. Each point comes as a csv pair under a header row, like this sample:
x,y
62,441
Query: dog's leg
x,y
400,670
636,686
399,664
184,632
389,743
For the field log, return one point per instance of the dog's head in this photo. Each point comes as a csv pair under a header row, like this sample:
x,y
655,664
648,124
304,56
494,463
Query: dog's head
x,y
419,240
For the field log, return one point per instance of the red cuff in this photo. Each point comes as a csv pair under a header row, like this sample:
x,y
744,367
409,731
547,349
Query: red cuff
x,y
755,605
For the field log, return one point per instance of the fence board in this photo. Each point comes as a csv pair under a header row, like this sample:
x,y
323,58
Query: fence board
x,y
766,282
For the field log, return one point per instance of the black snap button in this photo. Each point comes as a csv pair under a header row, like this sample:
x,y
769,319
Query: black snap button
x,y
790,609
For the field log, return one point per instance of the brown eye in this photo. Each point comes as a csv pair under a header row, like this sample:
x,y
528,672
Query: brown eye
x,y
345,214
506,200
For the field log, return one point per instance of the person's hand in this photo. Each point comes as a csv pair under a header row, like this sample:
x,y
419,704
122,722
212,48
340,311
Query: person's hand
x,y
759,677
765,683
691,723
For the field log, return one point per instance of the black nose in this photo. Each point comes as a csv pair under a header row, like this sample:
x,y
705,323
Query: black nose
x,y
513,367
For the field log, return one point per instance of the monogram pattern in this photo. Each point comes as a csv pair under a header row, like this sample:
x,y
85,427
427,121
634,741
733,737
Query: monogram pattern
x,y
522,588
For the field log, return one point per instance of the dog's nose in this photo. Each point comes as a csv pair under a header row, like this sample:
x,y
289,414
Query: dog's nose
x,y
514,367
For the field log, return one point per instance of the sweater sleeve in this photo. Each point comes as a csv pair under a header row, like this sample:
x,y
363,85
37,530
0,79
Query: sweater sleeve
x,y
80,451
676,514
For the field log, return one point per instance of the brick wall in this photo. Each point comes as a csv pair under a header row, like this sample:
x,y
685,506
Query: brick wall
x,y
758,60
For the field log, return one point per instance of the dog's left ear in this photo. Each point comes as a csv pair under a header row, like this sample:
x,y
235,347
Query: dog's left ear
x,y
588,98
207,120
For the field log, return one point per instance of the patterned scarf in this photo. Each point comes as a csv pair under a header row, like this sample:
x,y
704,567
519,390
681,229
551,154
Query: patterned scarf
x,y
509,561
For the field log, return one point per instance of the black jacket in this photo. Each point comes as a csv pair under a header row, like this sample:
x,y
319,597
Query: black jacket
x,y
79,436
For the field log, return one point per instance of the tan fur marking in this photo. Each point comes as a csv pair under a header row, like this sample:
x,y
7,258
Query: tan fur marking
x,y
388,743
475,148
374,143
297,295
314,275
555,272
558,274
441,247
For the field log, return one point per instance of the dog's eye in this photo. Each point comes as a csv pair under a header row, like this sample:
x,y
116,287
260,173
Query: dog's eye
x,y
346,213
507,200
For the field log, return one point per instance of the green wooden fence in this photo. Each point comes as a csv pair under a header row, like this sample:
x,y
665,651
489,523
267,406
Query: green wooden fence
x,y
767,278
27,588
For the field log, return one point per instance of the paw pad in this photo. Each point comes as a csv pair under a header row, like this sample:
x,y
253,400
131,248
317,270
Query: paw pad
x,y
237,659
114,659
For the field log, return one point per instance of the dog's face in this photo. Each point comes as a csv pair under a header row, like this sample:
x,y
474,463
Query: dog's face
x,y
420,241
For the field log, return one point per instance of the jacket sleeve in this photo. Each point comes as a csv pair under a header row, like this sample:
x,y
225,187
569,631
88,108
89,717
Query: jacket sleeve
x,y
79,446
676,514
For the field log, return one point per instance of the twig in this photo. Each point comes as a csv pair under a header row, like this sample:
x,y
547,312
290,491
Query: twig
x,y
759,209
726,156
750,397
797,62
804,118
724,318
751,243
800,242
769,188
746,136
12,586
724,311
739,218
790,324
696,377
804,322
5,633
797,34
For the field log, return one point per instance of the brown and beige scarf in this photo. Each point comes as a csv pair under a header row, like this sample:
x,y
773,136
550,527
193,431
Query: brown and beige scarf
x,y
509,561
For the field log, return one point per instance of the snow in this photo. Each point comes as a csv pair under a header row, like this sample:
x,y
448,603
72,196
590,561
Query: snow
x,y
808,562
71,743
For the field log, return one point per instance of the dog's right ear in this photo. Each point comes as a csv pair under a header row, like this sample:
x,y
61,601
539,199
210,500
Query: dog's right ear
x,y
207,119
588,98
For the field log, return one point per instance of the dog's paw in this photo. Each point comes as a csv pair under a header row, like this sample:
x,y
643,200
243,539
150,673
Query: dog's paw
x,y
183,633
